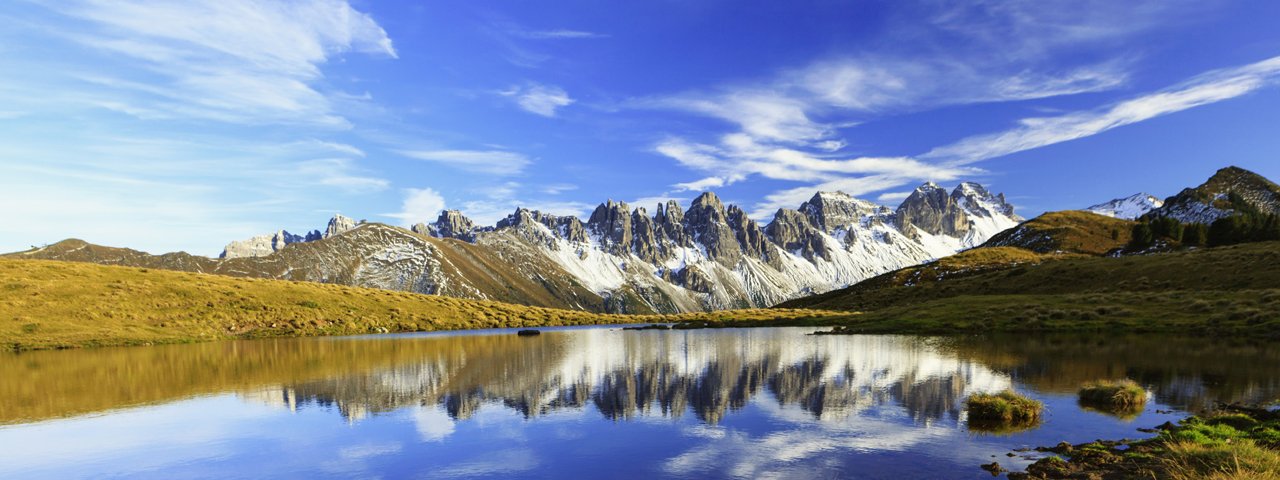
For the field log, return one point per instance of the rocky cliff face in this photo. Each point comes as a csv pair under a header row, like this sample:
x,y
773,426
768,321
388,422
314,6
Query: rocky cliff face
x,y
711,255
929,209
452,224
263,245
622,259
338,224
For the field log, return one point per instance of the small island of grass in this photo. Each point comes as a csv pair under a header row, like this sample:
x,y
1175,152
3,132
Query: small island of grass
x,y
1116,395
1004,409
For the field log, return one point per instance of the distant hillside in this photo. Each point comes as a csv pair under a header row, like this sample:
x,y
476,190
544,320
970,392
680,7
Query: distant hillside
x,y
376,256
1231,289
47,304
1072,231
1209,201
1080,270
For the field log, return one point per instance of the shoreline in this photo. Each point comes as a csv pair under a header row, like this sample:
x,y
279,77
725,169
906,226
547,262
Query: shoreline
x,y
1230,442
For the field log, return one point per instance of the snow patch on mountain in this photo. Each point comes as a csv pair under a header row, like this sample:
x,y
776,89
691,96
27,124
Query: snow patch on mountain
x,y
704,257
1128,208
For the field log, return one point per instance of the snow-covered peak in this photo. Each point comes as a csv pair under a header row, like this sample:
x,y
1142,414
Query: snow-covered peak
x,y
977,201
1128,208
971,189
929,187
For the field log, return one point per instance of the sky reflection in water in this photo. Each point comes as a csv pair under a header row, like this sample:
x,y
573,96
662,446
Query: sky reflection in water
x,y
599,402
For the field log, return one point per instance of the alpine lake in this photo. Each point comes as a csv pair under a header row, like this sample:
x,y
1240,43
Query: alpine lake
x,y
598,402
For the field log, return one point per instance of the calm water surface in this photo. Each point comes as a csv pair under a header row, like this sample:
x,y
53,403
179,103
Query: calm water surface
x,y
588,402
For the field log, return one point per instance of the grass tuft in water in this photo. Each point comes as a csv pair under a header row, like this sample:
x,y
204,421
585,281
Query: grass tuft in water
x,y
1004,408
1114,394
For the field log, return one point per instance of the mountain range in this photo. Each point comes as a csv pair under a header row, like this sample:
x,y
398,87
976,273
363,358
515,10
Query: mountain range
x,y
706,256
1072,269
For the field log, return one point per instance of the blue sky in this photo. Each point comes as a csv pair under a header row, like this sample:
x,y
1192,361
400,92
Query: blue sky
x,y
184,125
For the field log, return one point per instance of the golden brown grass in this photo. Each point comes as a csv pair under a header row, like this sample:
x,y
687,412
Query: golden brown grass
x,y
1072,231
1240,460
1120,394
1225,290
51,304
1004,409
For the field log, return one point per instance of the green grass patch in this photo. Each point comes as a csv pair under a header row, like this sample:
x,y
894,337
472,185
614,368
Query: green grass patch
x,y
1231,290
1119,394
1004,408
1237,444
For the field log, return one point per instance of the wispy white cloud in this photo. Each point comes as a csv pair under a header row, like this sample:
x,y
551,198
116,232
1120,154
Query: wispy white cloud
x,y
163,194
496,162
740,156
183,124
557,34
340,173
498,201
558,188
1029,29
701,185
539,99
857,186
1037,132
419,205
891,197
791,125
235,60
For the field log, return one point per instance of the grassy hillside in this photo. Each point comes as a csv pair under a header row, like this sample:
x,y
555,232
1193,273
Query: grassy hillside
x,y
360,256
1070,231
51,304
1229,289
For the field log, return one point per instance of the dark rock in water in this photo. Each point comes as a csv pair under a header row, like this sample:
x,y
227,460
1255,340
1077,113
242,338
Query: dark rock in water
x,y
649,327
994,468
528,333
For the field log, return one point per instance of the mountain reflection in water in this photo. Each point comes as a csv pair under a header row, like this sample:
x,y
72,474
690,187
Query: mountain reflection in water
x,y
627,374
588,402
624,374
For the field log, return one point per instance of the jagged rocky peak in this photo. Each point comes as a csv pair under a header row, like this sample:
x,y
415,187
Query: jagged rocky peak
x,y
750,237
262,245
1212,200
338,224
453,224
707,208
931,210
829,211
646,239
1129,207
706,223
977,200
423,229
611,224
794,232
670,220
567,227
